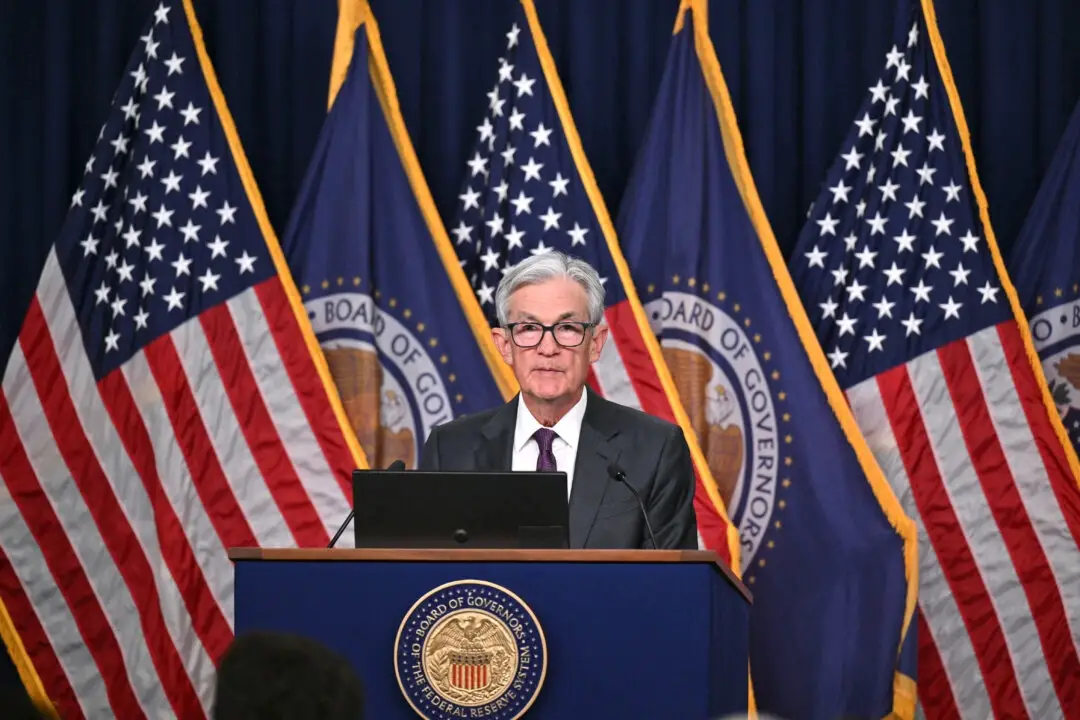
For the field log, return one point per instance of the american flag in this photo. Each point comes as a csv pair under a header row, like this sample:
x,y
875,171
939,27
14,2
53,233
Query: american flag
x,y
898,269
161,406
529,190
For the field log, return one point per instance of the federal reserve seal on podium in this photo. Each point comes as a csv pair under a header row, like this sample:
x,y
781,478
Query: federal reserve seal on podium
x,y
470,649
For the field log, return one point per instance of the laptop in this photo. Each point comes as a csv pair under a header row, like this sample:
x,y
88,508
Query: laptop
x,y
421,509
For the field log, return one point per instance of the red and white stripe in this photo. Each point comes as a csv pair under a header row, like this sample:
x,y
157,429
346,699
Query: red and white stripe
x,y
120,497
964,438
626,374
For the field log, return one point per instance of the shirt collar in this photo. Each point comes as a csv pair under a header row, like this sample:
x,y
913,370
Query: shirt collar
x,y
568,428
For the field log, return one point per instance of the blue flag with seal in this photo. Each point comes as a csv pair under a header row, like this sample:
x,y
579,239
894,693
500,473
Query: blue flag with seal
x,y
1045,269
407,345
826,549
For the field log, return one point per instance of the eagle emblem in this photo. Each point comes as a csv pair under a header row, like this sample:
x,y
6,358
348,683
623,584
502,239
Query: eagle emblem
x,y
713,413
470,659
379,416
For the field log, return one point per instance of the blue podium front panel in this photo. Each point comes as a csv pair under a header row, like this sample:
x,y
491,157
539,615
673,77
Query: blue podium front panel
x,y
622,640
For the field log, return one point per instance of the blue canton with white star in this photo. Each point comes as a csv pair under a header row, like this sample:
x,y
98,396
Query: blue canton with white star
x,y
522,194
160,228
893,262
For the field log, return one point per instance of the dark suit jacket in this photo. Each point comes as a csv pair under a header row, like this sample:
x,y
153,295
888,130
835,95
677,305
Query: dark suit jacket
x,y
603,513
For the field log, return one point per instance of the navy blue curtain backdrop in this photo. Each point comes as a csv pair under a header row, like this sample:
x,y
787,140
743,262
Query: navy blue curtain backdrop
x,y
797,70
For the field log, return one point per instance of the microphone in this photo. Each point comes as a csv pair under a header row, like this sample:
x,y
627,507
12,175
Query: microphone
x,y
618,475
396,466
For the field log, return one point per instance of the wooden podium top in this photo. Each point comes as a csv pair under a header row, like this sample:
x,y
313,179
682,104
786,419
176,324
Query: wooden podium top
x,y
462,555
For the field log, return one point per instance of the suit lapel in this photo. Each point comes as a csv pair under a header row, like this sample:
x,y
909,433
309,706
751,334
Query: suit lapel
x,y
594,454
495,449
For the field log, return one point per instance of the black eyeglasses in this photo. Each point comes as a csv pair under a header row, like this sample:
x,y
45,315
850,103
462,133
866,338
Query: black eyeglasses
x,y
568,334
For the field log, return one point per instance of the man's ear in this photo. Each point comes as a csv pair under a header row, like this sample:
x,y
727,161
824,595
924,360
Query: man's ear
x,y
502,344
596,343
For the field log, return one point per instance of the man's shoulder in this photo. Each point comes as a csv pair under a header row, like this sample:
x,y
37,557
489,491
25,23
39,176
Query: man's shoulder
x,y
467,425
626,417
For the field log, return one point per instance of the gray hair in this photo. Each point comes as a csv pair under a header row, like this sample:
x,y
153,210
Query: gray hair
x,y
547,266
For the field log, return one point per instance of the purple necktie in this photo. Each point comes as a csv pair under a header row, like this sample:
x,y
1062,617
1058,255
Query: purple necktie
x,y
546,460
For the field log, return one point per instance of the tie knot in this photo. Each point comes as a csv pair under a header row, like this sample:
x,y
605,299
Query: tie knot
x,y
544,438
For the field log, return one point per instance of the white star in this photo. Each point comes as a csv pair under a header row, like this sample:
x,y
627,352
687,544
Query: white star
x,y
540,249
902,71
208,163
524,85
155,132
850,240
99,212
191,114
125,270
147,285
109,176
911,324
952,192
846,325
951,308
138,203
828,224
900,156
508,155
893,58
102,293
120,144
486,294
112,341
174,299
866,257
163,216
246,263
90,245
140,319
828,308
942,224
153,250
512,36
960,274
875,340
218,247
879,91
890,105
855,290
989,293
532,170
132,236
839,276
816,257
209,280
540,136
926,174
495,103
470,198
888,190
522,203
139,74
513,239
577,235
172,182
837,358
506,71
895,275
174,64
922,291
971,242
501,191
517,120
922,88
462,232
180,147
164,98
117,306
199,197
486,130
490,259
146,167
936,140
879,141
182,265
884,307
915,207
496,224
933,258
877,224
840,192
866,125
227,213
551,219
161,14
870,172
190,231
913,35
853,158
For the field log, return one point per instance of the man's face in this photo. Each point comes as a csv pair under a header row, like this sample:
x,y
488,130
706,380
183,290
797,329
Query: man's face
x,y
550,371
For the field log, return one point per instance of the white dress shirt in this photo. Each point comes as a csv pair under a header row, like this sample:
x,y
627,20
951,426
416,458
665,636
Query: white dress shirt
x,y
564,447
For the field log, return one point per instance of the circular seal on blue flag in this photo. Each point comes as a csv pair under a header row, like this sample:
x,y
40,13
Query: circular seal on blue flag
x,y
470,648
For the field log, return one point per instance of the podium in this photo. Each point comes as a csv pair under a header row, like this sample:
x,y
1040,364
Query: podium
x,y
559,633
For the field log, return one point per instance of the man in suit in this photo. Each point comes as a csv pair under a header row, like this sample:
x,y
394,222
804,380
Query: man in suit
x,y
550,310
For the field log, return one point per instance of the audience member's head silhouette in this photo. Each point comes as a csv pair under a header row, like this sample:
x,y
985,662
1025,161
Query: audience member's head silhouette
x,y
274,675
